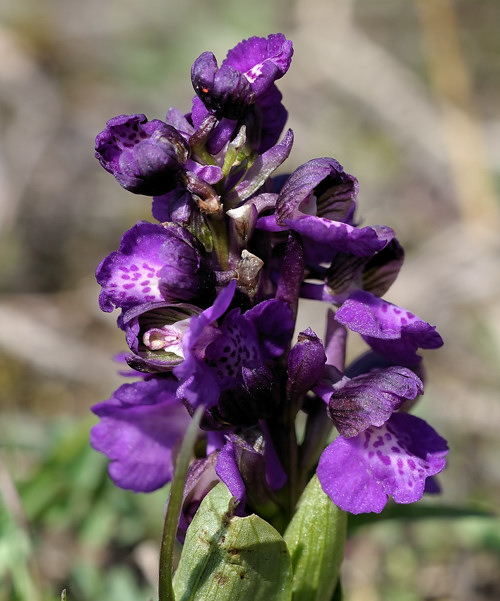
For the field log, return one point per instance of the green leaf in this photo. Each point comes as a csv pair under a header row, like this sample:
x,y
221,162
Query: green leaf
x,y
316,540
229,558
417,511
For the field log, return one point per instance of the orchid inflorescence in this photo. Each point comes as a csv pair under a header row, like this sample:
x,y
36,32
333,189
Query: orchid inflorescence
x,y
209,294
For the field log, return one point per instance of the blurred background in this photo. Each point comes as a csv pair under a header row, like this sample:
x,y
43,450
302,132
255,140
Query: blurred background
x,y
406,95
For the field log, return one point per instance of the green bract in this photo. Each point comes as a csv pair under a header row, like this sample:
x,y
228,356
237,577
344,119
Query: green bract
x,y
229,558
316,538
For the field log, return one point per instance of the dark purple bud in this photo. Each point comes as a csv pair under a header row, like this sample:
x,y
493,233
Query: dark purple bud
x,y
225,92
144,156
306,362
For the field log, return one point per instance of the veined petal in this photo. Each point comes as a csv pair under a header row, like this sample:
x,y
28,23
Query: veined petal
x,y
141,427
390,330
370,399
130,275
340,236
360,473
262,60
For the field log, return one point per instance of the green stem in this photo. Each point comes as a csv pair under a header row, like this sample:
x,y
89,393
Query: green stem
x,y
218,227
165,589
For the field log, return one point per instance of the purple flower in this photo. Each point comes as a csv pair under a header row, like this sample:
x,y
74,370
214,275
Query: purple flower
x,y
244,81
226,92
395,459
370,399
154,333
144,156
390,330
141,428
233,354
318,202
156,263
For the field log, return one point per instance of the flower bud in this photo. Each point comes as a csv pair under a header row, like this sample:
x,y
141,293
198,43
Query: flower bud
x,y
144,156
226,92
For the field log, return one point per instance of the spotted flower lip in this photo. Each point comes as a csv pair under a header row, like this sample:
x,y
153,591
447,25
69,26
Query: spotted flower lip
x,y
144,156
155,263
360,473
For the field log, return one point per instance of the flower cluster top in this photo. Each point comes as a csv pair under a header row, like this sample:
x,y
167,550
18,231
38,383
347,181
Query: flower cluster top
x,y
208,295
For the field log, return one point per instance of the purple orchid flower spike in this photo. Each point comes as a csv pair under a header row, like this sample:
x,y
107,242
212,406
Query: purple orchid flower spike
x,y
209,298
144,156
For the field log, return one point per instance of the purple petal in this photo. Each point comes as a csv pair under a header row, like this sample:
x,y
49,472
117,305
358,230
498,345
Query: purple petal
x,y
338,236
176,206
274,324
228,471
395,459
273,116
370,399
262,60
144,156
141,427
198,382
390,330
131,274
319,187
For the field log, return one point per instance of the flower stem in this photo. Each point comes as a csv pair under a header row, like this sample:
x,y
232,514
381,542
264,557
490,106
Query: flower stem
x,y
165,589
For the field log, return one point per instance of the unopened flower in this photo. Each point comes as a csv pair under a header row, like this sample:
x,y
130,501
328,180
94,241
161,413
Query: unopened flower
x,y
144,156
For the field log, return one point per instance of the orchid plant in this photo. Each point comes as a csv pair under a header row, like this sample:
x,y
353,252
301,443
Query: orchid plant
x,y
270,438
